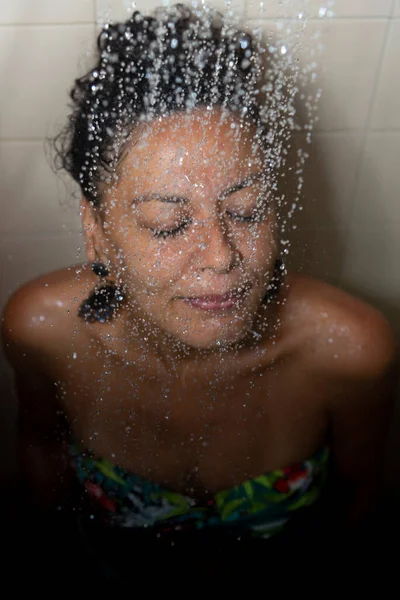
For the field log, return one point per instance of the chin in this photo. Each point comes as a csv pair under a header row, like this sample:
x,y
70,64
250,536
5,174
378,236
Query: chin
x,y
212,339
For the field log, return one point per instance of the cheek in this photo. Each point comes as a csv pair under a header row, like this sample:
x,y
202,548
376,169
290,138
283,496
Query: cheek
x,y
144,260
258,246
120,238
153,264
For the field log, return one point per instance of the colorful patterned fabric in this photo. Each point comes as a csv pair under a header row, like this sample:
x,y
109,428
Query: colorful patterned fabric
x,y
259,507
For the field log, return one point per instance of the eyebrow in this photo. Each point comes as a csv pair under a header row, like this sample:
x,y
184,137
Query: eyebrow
x,y
160,198
242,184
248,181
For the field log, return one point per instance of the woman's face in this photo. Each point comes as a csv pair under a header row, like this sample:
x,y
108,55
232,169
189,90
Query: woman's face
x,y
189,229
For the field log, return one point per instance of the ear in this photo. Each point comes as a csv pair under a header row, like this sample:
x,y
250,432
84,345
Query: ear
x,y
91,229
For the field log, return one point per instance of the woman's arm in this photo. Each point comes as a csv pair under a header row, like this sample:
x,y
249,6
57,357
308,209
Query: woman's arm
x,y
43,477
360,419
44,472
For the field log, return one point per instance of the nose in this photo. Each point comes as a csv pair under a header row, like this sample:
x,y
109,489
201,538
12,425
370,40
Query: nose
x,y
216,249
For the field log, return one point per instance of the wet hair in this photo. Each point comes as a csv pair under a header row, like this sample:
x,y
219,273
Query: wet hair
x,y
150,66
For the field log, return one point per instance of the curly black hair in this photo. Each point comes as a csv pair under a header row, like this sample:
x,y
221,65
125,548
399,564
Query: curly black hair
x,y
175,60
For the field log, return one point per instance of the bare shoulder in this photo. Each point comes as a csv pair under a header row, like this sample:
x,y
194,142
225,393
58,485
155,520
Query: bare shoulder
x,y
43,311
341,333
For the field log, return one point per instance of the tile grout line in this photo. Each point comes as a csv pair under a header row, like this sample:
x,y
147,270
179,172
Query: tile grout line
x,y
40,236
319,20
366,130
244,17
52,24
375,87
30,140
94,5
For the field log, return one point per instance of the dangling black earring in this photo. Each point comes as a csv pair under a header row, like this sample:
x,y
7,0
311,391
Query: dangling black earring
x,y
100,269
104,301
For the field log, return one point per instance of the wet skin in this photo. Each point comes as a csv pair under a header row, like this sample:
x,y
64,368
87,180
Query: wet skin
x,y
179,391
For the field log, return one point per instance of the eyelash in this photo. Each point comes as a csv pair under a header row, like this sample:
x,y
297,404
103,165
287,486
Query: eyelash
x,y
178,230
172,232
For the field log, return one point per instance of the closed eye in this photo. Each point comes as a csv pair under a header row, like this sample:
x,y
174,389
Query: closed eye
x,y
258,212
164,233
255,218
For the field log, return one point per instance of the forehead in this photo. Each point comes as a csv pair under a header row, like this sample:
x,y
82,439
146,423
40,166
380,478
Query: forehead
x,y
201,144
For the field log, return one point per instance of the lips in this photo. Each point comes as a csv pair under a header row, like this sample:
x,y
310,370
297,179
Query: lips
x,y
217,301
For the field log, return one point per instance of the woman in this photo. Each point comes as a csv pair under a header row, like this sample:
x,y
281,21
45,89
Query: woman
x,y
184,378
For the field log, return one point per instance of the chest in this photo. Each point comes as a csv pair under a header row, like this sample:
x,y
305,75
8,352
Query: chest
x,y
223,425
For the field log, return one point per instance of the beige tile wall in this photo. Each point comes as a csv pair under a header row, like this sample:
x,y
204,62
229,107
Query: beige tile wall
x,y
350,225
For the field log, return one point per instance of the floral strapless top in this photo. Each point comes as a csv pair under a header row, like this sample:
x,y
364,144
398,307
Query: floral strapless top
x,y
259,507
